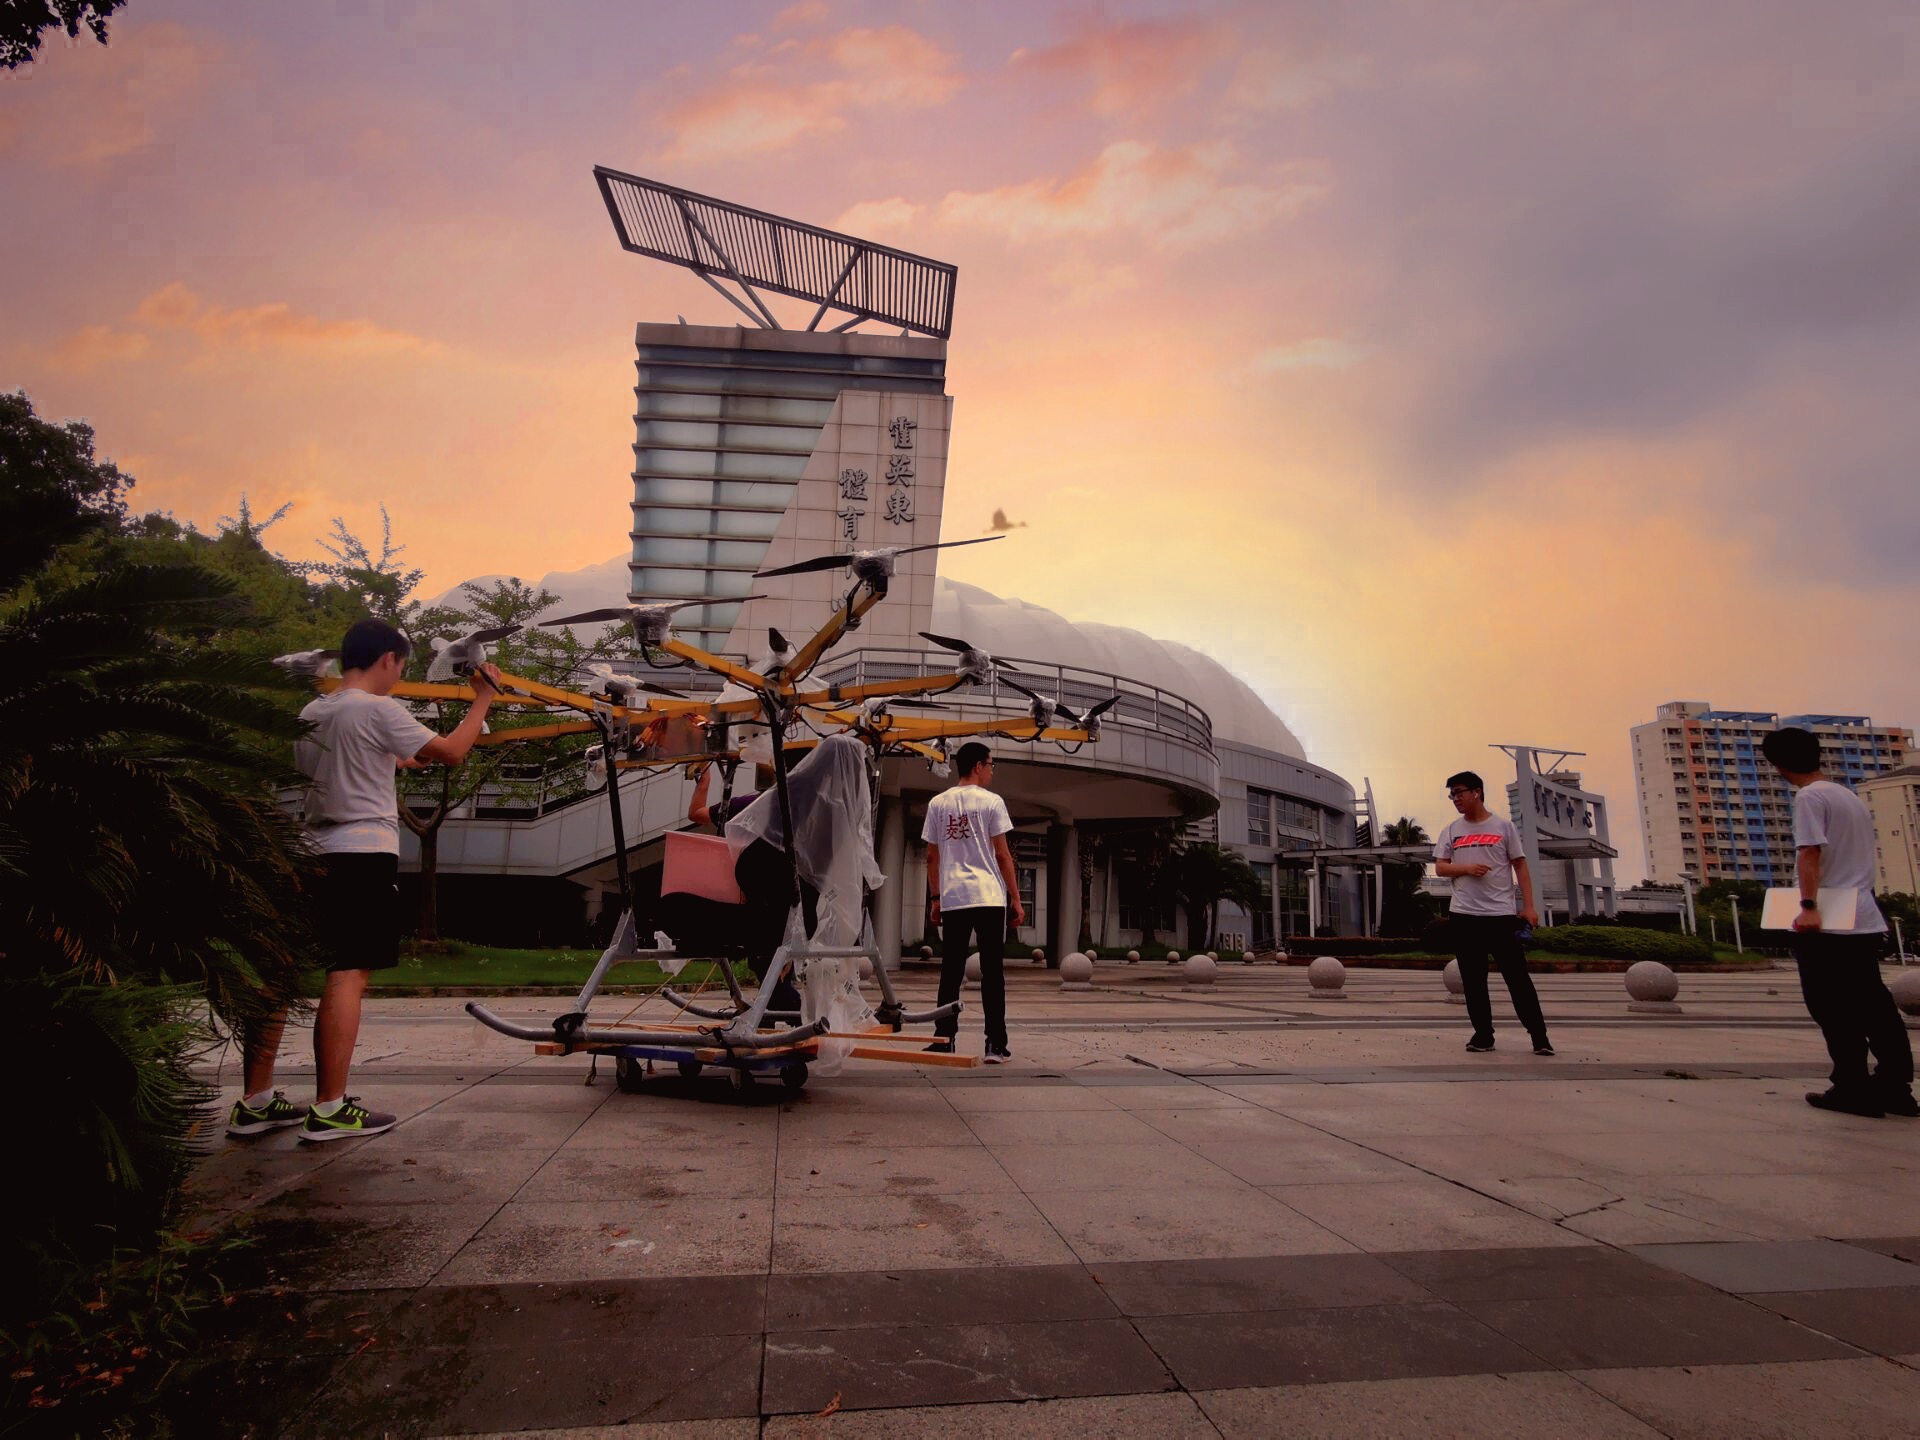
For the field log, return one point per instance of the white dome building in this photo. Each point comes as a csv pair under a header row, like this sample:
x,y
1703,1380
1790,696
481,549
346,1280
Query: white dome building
x,y
1189,742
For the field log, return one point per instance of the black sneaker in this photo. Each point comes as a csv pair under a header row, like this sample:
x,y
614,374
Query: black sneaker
x,y
1542,1047
1479,1046
1842,1103
996,1055
1901,1102
276,1114
940,1047
351,1121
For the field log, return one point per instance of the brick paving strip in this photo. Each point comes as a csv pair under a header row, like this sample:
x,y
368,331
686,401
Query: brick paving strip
x,y
1367,1237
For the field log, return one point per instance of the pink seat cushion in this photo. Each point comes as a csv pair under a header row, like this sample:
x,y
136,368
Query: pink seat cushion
x,y
699,865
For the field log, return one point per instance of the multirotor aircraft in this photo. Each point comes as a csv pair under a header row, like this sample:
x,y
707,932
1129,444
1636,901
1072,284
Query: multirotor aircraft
x,y
635,724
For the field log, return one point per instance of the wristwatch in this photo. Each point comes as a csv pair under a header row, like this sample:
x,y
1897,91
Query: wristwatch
x,y
1809,904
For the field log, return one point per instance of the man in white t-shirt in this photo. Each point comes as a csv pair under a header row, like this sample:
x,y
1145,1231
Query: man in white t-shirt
x,y
360,736
1492,899
971,878
1840,970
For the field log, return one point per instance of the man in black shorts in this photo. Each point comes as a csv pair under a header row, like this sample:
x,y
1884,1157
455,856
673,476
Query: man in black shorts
x,y
360,736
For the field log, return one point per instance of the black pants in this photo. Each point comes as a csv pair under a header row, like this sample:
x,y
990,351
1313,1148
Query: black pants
x,y
958,928
1476,938
762,875
1840,981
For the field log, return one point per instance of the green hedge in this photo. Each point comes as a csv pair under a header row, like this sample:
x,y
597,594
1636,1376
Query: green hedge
x,y
1619,942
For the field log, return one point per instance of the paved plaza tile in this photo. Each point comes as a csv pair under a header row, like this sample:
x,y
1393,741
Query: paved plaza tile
x,y
1233,1214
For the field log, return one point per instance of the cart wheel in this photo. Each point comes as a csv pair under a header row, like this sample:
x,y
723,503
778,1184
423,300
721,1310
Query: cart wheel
x,y
794,1077
629,1074
689,1069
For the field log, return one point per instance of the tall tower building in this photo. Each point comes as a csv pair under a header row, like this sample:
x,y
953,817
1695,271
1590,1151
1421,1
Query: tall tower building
x,y
1712,807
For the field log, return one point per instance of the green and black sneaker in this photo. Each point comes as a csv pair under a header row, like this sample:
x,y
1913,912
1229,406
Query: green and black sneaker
x,y
276,1114
349,1122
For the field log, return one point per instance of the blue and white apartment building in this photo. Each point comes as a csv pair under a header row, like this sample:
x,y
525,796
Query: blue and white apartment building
x,y
1712,807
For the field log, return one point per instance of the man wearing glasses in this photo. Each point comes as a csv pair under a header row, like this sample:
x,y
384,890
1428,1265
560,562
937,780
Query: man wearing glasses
x,y
1481,854
971,877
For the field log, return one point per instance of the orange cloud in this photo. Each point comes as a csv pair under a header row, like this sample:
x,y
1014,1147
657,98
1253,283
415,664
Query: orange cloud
x,y
1173,197
805,88
1132,63
92,105
175,307
98,345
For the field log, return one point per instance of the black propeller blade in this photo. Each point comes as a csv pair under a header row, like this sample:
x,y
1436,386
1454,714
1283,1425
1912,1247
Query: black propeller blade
x,y
834,562
804,567
587,617
1059,707
1102,708
961,647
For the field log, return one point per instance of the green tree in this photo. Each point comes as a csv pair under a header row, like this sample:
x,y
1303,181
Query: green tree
x,y
53,492
1203,875
1405,909
377,584
551,657
22,21
145,866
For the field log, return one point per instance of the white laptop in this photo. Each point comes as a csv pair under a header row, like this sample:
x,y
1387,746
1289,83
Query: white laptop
x,y
1838,906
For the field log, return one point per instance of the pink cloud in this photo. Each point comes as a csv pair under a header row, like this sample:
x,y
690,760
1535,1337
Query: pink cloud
x,y
806,12
804,88
1173,197
1132,63
175,307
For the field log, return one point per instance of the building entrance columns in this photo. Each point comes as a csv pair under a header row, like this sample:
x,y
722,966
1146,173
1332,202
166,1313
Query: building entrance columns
x,y
1063,890
889,905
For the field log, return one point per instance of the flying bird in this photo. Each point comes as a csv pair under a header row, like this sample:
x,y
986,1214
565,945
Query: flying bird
x,y
1001,523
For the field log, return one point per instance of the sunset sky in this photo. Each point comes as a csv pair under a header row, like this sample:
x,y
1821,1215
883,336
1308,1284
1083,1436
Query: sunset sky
x,y
1456,373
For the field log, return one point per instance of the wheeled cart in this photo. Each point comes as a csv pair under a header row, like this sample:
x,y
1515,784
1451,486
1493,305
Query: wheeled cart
x,y
741,1035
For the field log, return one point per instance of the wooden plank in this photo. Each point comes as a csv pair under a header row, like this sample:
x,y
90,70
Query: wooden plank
x,y
914,1057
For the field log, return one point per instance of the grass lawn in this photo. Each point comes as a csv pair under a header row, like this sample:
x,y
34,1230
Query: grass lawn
x,y
455,963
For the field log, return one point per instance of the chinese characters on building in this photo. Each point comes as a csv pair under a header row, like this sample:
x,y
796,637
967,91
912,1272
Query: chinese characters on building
x,y
899,504
853,486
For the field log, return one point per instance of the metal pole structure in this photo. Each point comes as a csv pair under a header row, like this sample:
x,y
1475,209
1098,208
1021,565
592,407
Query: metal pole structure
x,y
619,822
1899,941
1733,904
1713,930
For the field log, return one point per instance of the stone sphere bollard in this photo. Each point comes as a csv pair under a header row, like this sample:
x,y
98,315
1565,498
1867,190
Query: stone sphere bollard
x,y
1651,987
1328,977
866,967
1214,955
1456,987
1906,992
1076,973
1039,956
973,968
926,952
1200,971
1173,957
1133,957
